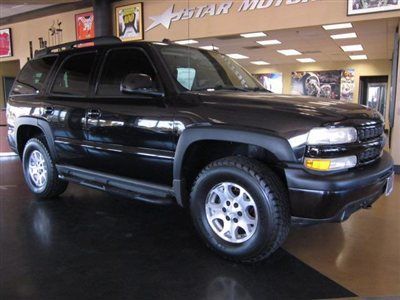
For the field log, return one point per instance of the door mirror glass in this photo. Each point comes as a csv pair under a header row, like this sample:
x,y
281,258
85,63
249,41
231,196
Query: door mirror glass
x,y
137,83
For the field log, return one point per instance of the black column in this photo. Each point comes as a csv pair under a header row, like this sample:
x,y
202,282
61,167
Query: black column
x,y
102,17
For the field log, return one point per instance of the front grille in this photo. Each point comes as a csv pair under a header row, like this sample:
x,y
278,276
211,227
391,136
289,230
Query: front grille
x,y
369,155
370,132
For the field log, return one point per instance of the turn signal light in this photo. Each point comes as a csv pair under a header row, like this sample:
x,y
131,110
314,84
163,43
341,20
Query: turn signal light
x,y
330,164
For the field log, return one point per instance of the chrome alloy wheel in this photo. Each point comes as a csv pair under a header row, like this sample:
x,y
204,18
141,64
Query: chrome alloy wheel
x,y
231,212
37,169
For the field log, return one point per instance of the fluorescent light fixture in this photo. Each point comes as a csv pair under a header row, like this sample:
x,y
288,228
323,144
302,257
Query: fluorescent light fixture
x,y
337,26
350,35
260,63
358,57
269,42
305,60
289,52
186,42
209,48
352,48
253,34
237,56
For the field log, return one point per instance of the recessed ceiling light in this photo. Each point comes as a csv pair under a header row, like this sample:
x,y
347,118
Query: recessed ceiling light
x,y
260,63
289,52
253,34
269,42
352,48
186,42
237,56
337,26
209,48
358,57
351,35
305,60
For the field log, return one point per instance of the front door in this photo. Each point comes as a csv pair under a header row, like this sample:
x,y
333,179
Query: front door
x,y
373,90
130,134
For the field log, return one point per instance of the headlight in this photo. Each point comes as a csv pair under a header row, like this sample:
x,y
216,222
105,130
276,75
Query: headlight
x,y
332,136
330,164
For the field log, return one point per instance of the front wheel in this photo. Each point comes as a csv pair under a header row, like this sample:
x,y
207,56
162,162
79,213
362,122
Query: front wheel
x,y
40,172
240,208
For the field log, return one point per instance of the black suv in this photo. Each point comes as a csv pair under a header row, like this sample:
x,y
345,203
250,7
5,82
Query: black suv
x,y
165,123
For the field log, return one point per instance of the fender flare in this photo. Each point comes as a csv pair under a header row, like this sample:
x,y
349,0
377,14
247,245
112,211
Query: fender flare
x,y
270,141
42,125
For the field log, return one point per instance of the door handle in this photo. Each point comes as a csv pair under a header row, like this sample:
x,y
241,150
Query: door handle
x,y
93,113
48,110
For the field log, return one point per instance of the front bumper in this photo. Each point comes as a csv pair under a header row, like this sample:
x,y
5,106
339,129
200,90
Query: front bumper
x,y
316,198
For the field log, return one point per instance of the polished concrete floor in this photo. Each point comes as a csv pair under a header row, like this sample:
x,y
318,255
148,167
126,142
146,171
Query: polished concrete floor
x,y
92,245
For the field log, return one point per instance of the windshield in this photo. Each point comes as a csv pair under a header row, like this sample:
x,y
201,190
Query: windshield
x,y
201,70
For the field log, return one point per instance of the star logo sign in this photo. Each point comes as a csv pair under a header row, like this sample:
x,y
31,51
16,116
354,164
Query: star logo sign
x,y
165,19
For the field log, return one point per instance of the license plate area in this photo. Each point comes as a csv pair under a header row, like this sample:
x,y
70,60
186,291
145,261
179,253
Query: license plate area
x,y
389,184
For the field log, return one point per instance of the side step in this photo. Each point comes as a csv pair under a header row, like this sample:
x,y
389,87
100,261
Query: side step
x,y
139,190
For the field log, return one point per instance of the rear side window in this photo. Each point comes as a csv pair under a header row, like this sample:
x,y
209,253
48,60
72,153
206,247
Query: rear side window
x,y
118,64
33,75
73,76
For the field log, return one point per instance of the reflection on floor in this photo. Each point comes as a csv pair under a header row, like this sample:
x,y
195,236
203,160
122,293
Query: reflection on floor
x,y
91,244
362,254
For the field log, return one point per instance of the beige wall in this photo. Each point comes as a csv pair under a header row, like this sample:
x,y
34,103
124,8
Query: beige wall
x,y
31,30
362,68
7,69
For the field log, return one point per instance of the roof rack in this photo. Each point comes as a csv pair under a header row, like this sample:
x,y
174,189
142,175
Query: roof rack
x,y
104,40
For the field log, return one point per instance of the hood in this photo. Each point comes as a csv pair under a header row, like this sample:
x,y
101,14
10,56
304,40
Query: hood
x,y
287,115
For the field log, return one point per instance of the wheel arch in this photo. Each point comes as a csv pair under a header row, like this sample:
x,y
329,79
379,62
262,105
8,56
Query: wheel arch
x,y
265,146
28,127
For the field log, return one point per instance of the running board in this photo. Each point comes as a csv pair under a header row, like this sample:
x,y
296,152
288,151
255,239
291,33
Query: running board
x,y
140,190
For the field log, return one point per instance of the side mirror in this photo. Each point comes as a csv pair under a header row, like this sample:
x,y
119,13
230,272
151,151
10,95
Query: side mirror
x,y
136,83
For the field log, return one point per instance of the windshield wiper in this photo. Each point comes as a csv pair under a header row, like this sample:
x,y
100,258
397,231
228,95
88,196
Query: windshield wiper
x,y
223,87
258,89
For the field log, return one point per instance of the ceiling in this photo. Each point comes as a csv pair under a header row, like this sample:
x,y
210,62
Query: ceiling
x,y
376,37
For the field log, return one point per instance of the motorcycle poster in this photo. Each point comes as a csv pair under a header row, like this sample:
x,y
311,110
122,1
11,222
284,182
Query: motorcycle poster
x,y
129,20
357,7
324,84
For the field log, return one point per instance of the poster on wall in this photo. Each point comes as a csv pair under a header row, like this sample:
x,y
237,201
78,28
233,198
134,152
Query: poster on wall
x,y
129,20
325,84
84,26
347,85
356,7
271,81
5,43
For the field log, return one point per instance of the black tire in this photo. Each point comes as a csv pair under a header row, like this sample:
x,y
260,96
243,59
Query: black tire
x,y
269,195
53,186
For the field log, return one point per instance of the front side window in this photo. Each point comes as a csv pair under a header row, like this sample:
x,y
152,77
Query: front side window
x,y
33,75
74,75
120,63
196,70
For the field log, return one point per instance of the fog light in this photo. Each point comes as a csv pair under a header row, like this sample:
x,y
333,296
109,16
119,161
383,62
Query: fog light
x,y
330,164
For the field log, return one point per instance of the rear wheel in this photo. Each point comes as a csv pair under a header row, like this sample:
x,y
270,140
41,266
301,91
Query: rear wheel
x,y
240,208
40,172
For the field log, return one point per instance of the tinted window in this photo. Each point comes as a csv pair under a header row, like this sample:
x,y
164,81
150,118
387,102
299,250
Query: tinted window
x,y
120,63
195,69
73,76
33,75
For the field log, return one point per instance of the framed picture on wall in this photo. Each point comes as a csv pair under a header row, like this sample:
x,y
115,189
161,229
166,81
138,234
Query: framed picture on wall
x,y
84,26
129,22
6,43
357,7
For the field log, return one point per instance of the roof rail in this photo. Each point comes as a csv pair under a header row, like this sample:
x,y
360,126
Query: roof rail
x,y
104,40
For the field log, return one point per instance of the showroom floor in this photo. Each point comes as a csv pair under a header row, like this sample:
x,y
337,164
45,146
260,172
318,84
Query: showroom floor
x,y
90,244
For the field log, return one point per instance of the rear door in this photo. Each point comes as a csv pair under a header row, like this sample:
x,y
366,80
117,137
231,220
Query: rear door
x,y
130,135
66,105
